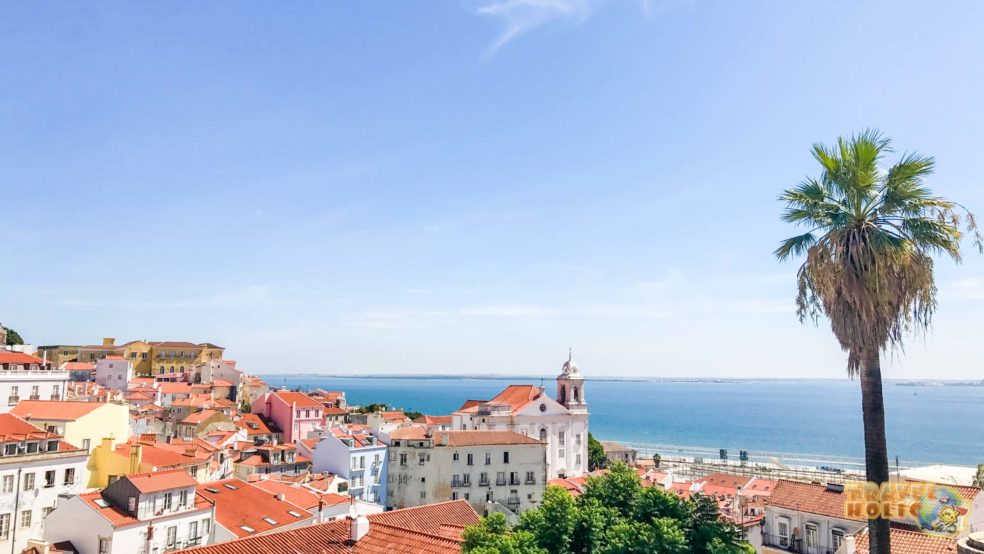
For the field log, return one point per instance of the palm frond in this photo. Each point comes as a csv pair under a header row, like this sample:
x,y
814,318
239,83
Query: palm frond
x,y
795,246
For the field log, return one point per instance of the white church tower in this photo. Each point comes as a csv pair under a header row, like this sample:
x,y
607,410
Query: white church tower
x,y
570,387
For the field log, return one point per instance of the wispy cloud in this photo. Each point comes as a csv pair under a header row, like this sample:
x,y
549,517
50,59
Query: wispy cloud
x,y
521,16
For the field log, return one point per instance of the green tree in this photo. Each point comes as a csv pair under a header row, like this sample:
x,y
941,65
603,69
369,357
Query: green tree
x,y
13,337
979,477
657,459
614,515
868,267
372,408
596,454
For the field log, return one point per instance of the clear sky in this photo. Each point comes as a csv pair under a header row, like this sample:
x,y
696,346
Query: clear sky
x,y
463,186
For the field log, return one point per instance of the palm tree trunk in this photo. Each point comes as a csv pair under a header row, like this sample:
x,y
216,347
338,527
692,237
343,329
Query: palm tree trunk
x,y
875,447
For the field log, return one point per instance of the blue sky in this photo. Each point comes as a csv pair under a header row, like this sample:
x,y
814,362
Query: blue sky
x,y
463,186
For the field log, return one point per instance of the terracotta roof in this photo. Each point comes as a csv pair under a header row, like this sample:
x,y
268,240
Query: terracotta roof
x,y
295,494
247,505
54,410
221,383
13,428
118,517
810,498
174,344
115,358
334,411
412,432
156,481
515,396
968,493
301,400
199,417
394,415
471,404
7,357
433,420
911,542
79,366
175,388
160,458
253,424
726,480
475,438
430,529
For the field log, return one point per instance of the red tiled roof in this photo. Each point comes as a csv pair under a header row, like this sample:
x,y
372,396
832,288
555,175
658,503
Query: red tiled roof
x,y
296,495
79,366
911,542
433,420
299,399
221,383
156,481
247,422
334,411
810,498
13,428
515,396
115,358
55,410
475,438
7,357
726,480
175,388
174,344
248,505
198,417
412,432
471,404
118,517
156,457
430,529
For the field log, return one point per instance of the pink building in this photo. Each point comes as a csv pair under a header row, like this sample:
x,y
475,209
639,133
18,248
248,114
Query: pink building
x,y
295,413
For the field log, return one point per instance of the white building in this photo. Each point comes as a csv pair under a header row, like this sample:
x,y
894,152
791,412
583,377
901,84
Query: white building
x,y
214,370
25,377
354,455
35,468
143,513
114,372
562,423
482,467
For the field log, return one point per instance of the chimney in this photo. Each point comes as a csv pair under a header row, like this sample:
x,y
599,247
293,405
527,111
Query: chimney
x,y
360,526
136,454
280,496
849,546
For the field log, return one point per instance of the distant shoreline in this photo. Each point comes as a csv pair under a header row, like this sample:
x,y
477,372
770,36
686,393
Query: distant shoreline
x,y
710,380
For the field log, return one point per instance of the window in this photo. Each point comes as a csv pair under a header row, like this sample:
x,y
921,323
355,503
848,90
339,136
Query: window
x,y
25,518
56,391
782,530
131,503
505,457
454,457
454,496
172,535
28,481
577,459
8,483
530,478
10,450
812,537
577,439
193,530
105,545
35,391
543,435
49,478
483,479
560,451
183,498
836,538
488,458
206,525
167,501
4,526
423,495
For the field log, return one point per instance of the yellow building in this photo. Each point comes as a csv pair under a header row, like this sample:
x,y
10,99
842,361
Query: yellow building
x,y
85,425
148,357
59,354
108,463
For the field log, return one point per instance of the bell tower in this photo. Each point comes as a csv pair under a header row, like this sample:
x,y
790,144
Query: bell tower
x,y
570,386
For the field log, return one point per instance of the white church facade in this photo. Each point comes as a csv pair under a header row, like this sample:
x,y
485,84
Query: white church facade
x,y
560,422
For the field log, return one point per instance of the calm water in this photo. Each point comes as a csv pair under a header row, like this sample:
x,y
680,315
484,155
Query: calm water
x,y
936,424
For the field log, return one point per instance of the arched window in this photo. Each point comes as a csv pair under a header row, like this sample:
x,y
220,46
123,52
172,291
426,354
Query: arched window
x,y
181,369
574,396
172,369
563,394
543,435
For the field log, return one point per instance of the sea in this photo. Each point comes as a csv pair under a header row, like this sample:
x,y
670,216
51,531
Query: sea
x,y
925,424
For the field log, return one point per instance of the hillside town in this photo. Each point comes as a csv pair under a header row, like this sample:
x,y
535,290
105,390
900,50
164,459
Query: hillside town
x,y
158,446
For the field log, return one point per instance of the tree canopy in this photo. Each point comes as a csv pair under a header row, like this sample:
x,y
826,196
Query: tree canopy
x,y
13,337
596,454
614,515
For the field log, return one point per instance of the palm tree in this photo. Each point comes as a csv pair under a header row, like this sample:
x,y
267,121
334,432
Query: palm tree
x,y
869,266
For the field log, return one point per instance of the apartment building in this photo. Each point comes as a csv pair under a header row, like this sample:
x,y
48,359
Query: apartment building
x,y
26,377
500,467
145,513
36,468
352,453
297,415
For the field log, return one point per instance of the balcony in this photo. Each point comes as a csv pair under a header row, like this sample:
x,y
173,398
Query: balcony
x,y
512,503
483,482
500,481
530,481
514,481
796,544
35,397
12,400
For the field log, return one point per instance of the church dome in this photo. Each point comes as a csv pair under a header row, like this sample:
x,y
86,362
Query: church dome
x,y
570,366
